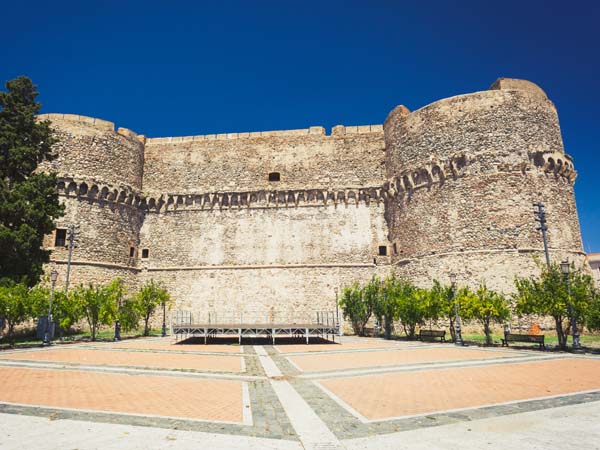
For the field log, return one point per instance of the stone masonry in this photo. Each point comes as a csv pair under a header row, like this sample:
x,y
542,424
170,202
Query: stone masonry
x,y
276,221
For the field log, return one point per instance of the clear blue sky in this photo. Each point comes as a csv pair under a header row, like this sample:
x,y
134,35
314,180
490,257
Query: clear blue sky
x,y
181,68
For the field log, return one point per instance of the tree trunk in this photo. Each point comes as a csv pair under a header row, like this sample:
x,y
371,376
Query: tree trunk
x,y
560,333
388,327
11,334
94,332
146,330
452,330
487,331
412,331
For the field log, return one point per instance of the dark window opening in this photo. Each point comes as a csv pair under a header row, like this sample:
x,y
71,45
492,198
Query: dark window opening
x,y
395,249
131,252
61,237
274,176
382,250
145,253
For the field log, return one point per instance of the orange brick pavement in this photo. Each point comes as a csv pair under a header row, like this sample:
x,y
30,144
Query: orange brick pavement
x,y
137,359
411,393
333,347
340,361
171,345
214,400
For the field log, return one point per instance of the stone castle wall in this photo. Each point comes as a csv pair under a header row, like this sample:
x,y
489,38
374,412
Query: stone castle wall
x,y
263,258
464,172
241,162
100,181
446,188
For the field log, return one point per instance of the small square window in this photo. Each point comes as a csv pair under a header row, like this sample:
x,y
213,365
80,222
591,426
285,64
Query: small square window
x,y
382,250
61,237
145,253
131,252
274,176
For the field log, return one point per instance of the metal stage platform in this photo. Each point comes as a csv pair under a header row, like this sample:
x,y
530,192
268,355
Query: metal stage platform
x,y
325,325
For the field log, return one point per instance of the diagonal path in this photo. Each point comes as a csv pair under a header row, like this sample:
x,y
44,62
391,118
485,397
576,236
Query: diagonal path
x,y
312,431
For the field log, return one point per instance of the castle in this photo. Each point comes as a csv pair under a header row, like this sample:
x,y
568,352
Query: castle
x,y
277,220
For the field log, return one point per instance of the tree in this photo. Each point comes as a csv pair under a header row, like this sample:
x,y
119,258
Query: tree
x,y
385,306
442,296
66,311
29,201
148,298
129,315
14,306
409,304
97,306
355,308
487,307
126,311
593,313
547,294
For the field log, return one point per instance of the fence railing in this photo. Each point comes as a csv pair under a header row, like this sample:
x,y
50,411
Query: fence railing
x,y
187,317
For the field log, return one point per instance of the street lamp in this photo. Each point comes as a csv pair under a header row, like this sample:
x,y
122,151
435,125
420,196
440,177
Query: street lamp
x,y
565,268
118,321
459,340
164,325
337,312
53,278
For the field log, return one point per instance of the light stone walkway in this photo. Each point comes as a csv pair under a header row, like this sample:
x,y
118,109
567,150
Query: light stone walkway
x,y
312,431
26,432
573,427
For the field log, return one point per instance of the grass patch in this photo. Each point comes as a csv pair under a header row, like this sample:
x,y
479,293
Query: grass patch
x,y
550,339
101,335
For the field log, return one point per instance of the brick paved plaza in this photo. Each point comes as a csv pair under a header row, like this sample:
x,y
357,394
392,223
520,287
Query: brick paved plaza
x,y
363,393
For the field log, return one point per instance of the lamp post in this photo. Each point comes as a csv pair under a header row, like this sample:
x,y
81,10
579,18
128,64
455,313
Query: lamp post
x,y
337,312
164,325
459,340
118,321
53,278
565,268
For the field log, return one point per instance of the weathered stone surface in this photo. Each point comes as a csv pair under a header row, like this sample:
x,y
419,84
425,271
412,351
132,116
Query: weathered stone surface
x,y
446,188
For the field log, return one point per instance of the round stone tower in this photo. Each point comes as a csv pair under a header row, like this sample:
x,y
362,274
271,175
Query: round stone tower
x,y
100,180
463,173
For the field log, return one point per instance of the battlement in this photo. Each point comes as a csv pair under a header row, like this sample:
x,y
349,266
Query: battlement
x,y
339,130
89,121
93,122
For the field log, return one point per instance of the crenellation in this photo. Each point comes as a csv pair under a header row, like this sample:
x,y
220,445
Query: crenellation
x,y
90,121
251,220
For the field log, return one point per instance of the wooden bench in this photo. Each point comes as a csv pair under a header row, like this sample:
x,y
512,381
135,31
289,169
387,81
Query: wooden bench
x,y
531,338
432,334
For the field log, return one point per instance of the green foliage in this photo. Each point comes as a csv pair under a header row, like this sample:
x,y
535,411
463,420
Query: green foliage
x,y
129,315
126,312
148,298
410,305
66,312
14,305
486,306
593,313
442,305
548,295
96,304
355,308
28,199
